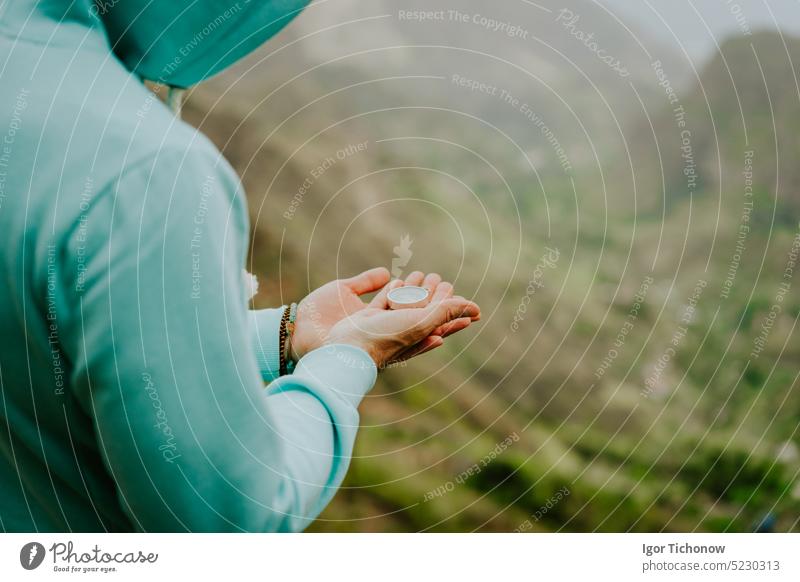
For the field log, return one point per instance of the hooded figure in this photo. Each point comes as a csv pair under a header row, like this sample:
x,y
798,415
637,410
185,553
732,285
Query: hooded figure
x,y
131,372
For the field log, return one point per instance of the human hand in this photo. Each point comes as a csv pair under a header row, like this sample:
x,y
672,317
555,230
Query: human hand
x,y
326,306
393,335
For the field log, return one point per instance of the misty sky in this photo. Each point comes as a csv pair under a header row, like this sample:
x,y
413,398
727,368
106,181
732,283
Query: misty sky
x,y
681,20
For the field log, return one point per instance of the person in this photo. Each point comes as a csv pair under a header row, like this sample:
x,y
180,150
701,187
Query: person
x,y
139,393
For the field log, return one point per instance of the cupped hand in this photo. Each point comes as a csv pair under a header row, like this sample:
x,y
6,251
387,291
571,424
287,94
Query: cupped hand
x,y
392,335
326,306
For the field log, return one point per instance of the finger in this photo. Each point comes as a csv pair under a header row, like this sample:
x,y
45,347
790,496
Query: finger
x,y
429,343
450,309
381,300
368,281
452,327
415,278
443,291
475,317
430,283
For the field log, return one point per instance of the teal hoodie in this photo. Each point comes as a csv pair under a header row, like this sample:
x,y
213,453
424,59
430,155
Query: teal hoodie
x,y
132,375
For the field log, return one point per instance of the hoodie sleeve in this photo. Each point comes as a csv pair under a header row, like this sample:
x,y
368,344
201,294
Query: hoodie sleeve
x,y
160,343
264,329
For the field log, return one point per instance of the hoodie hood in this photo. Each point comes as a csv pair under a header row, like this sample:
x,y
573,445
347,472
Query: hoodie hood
x,y
182,42
175,42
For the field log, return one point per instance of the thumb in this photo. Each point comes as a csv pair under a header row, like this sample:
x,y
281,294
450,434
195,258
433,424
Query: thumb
x,y
381,300
368,281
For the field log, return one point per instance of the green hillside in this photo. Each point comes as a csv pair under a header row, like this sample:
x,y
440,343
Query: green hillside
x,y
746,99
611,385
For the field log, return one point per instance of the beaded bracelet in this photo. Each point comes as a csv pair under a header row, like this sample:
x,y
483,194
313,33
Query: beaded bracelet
x,y
290,325
285,339
282,341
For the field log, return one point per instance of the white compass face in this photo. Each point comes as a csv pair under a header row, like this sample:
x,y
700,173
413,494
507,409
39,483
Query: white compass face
x,y
408,296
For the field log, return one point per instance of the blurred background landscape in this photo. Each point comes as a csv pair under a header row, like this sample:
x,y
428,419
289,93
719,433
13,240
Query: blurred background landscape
x,y
620,192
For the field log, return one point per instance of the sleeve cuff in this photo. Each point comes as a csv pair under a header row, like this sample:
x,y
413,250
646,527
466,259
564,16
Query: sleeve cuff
x,y
346,370
264,328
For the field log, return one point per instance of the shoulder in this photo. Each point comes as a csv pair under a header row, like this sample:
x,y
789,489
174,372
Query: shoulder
x,y
99,122
122,144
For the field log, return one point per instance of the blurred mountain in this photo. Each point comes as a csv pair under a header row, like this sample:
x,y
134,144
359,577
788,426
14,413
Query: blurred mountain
x,y
539,193
552,83
748,100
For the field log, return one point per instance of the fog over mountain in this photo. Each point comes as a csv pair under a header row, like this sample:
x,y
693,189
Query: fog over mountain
x,y
699,26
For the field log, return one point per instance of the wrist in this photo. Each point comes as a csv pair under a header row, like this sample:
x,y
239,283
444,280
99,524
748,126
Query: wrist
x,y
294,352
286,334
343,368
356,342
264,327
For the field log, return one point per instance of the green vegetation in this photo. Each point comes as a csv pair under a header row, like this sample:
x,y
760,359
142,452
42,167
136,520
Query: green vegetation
x,y
682,428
